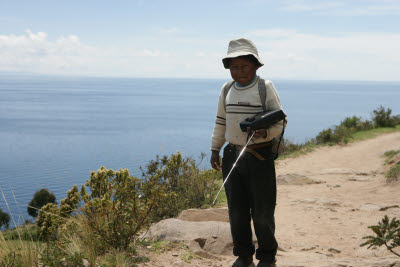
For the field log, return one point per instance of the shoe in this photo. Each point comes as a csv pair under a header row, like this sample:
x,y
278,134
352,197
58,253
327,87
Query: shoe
x,y
245,261
266,264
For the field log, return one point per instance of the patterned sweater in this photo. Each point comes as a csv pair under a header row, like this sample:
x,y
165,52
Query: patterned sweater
x,y
241,103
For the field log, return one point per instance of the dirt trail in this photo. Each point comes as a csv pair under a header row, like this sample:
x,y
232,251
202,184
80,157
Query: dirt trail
x,y
326,201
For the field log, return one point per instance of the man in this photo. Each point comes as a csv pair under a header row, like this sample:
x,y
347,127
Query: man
x,y
251,188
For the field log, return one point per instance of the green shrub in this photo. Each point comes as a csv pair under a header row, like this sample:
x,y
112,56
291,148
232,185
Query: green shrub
x,y
325,136
351,122
12,258
55,254
390,154
40,198
383,118
290,147
26,232
4,219
387,233
120,205
187,186
51,217
340,134
393,174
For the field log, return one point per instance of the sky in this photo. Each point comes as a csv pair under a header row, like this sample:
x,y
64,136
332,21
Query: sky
x,y
296,39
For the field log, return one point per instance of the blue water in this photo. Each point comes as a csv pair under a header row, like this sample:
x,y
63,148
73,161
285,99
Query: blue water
x,y
54,131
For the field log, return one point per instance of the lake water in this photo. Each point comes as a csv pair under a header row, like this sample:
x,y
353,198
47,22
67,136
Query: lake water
x,y
54,131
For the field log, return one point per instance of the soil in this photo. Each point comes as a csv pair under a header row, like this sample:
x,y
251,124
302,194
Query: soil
x,y
326,201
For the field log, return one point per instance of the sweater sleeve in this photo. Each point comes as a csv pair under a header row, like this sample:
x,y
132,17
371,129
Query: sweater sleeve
x,y
273,103
218,136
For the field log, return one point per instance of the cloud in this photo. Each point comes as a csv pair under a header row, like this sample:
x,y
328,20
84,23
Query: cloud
x,y
343,8
171,30
292,54
35,52
287,53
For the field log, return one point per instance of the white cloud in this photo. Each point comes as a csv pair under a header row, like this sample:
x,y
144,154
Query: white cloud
x,y
344,8
286,53
365,56
171,30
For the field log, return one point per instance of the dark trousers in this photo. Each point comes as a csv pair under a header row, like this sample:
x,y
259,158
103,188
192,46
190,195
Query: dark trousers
x,y
251,194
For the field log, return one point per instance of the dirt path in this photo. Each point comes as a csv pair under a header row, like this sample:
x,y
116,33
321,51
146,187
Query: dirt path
x,y
326,201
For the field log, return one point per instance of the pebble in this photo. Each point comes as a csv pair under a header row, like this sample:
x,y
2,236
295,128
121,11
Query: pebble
x,y
334,250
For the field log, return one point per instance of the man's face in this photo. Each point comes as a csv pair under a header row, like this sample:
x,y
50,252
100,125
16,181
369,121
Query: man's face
x,y
242,70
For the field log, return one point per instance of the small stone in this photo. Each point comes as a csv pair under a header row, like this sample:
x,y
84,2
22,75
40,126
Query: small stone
x,y
307,249
148,247
175,254
177,264
334,250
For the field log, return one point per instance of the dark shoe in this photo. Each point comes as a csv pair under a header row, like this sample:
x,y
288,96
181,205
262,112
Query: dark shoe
x,y
266,264
243,261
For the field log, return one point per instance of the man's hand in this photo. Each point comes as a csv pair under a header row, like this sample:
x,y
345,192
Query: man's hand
x,y
259,133
215,164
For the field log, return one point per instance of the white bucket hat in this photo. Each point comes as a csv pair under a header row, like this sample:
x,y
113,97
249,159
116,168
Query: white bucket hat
x,y
240,47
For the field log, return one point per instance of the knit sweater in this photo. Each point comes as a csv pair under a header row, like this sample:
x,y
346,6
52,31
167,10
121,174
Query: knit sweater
x,y
242,103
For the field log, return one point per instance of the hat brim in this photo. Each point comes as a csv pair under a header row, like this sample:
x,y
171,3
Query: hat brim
x,y
226,59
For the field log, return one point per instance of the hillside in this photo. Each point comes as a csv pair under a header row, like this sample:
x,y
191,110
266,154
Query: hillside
x,y
326,201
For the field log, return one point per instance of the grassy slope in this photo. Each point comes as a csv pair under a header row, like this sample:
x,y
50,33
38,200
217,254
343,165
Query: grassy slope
x,y
355,137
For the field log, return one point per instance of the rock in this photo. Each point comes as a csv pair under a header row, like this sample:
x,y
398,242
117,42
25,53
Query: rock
x,y
370,207
388,207
308,201
177,264
331,203
375,207
86,263
333,186
178,230
175,254
294,179
221,246
334,250
307,249
358,178
201,215
343,171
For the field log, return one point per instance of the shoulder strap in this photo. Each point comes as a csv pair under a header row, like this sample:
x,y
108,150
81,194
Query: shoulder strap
x,y
227,87
262,90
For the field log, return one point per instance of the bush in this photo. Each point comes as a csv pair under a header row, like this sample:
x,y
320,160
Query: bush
x,y
187,186
4,219
340,134
26,232
351,122
51,216
383,118
12,258
55,254
120,205
393,174
40,198
387,233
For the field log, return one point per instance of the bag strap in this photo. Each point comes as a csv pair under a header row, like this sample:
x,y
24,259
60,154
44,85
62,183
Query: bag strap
x,y
262,91
227,87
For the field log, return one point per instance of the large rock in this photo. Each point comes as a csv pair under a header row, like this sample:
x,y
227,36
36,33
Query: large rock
x,y
204,215
179,230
